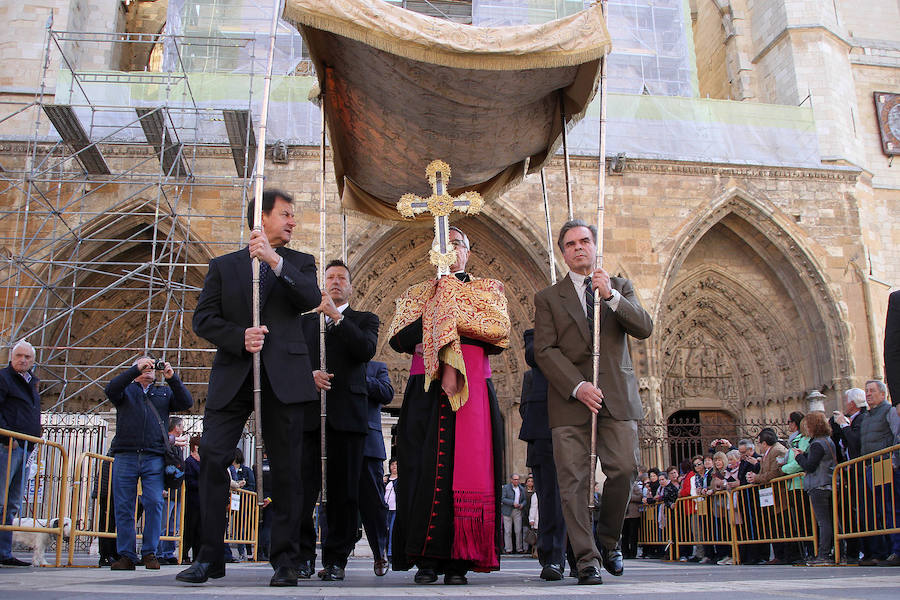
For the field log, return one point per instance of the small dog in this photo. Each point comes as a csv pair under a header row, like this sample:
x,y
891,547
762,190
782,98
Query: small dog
x,y
38,541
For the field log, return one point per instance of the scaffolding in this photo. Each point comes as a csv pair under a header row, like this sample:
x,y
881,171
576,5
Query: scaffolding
x,y
109,219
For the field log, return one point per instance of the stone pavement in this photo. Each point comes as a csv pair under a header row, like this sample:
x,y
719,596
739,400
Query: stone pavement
x,y
518,579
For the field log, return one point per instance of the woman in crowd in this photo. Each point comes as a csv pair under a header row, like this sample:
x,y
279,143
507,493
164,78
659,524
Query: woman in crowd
x,y
530,538
818,461
632,522
691,485
718,504
390,498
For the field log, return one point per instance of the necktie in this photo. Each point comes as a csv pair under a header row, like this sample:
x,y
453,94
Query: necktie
x,y
264,269
589,303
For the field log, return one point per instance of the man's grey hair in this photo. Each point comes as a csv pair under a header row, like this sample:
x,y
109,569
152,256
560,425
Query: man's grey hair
x,y
465,238
572,225
879,384
23,344
140,358
746,442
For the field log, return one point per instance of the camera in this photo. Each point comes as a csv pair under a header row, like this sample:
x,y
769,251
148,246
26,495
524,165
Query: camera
x,y
159,365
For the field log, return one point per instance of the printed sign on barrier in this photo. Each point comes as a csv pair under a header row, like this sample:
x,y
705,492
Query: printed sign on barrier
x,y
235,501
766,497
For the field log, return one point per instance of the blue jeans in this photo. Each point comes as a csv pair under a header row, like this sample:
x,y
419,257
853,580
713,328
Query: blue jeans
x,y
167,547
18,460
127,469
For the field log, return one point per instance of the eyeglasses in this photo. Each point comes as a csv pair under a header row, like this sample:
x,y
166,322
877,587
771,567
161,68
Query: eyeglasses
x,y
698,464
457,243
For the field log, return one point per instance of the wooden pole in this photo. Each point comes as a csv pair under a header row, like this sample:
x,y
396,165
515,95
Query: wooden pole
x,y
550,260
322,405
258,180
565,141
601,209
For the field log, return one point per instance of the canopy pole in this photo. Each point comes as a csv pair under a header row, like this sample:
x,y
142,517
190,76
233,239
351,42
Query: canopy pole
x,y
322,405
344,236
258,181
565,141
598,262
551,262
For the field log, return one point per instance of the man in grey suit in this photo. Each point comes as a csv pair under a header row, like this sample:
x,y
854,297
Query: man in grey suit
x,y
512,499
563,347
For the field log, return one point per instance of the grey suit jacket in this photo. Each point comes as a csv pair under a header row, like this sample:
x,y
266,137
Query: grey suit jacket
x,y
508,497
563,345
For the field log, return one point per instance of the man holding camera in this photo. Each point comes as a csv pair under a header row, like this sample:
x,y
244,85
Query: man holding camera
x,y
142,406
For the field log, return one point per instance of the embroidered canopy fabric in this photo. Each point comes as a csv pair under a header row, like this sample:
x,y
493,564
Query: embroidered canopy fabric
x,y
402,89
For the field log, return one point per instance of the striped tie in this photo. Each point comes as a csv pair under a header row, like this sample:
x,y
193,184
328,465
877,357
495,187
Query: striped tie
x,y
589,303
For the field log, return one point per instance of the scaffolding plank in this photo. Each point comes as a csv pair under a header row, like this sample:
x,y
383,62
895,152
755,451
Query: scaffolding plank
x,y
167,148
238,125
66,123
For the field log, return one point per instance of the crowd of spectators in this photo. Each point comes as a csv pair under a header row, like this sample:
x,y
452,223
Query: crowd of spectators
x,y
813,448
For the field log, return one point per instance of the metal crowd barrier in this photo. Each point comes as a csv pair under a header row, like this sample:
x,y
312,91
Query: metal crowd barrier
x,y
657,528
704,521
94,512
775,512
41,491
865,497
243,520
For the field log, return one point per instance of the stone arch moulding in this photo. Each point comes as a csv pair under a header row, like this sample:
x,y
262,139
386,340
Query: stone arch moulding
x,y
722,349
796,261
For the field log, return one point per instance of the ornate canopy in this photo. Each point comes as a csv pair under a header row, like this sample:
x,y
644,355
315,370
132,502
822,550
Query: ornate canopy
x,y
402,89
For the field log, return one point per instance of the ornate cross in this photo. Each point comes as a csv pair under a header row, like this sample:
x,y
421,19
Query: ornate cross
x,y
440,204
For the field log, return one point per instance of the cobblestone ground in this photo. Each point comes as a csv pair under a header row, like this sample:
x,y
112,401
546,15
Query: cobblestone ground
x,y
518,578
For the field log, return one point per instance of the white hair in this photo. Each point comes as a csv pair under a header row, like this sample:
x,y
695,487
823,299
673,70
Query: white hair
x,y
856,396
465,238
23,344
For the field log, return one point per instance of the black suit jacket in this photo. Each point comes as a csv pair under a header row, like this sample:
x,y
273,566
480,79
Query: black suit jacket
x,y
348,347
224,312
892,347
533,409
381,392
20,403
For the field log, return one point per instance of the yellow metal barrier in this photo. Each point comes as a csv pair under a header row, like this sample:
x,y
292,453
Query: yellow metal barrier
x,y
705,521
657,527
778,511
864,498
93,508
43,500
243,519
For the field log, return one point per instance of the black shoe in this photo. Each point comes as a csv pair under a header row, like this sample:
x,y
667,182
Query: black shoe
x,y
552,572
172,560
332,573
199,572
284,577
425,576
231,559
381,567
104,561
612,561
891,561
589,576
306,569
455,579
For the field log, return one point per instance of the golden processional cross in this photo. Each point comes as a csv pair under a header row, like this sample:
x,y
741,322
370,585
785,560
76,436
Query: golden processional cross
x,y
440,204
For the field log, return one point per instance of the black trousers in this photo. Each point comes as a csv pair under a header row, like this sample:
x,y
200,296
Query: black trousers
x,y
373,509
551,544
344,452
192,528
221,432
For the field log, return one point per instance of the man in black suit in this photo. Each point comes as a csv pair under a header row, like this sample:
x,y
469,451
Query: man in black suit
x,y
551,543
892,347
350,340
373,510
223,316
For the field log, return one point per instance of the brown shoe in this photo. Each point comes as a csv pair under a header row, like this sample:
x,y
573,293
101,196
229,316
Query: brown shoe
x,y
151,562
123,564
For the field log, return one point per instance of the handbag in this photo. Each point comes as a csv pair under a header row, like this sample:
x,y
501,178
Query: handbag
x,y
530,536
173,473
